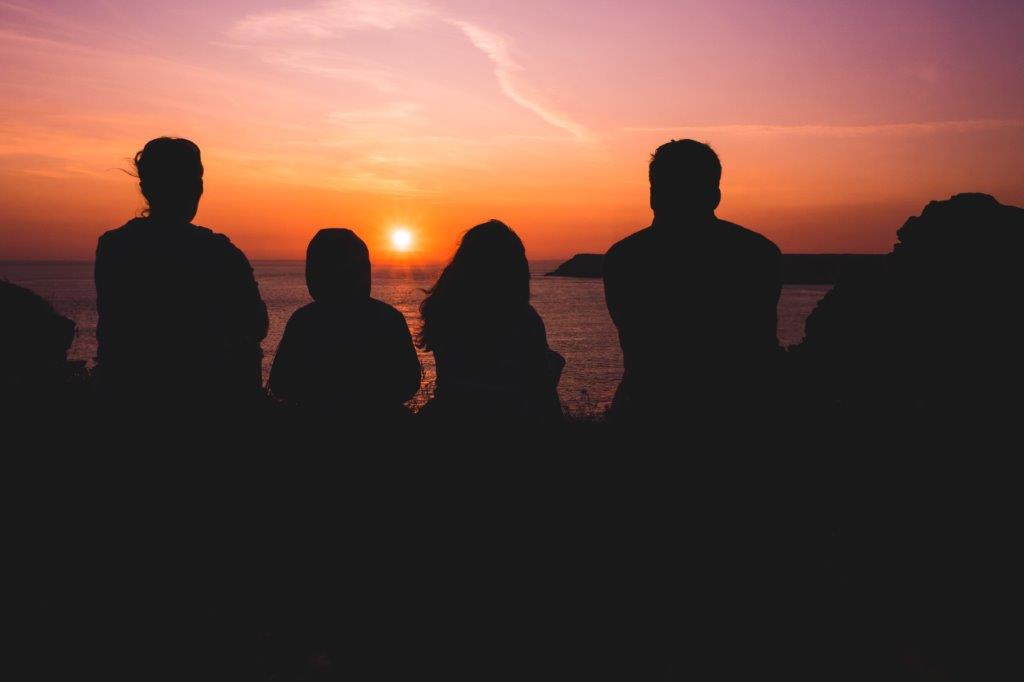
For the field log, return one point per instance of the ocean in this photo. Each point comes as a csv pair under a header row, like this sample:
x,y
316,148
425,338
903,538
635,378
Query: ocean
x,y
574,313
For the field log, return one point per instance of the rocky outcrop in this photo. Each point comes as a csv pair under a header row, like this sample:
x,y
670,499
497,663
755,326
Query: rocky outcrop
x,y
938,325
580,265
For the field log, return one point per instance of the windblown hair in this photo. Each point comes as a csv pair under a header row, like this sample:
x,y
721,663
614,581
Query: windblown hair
x,y
486,282
170,173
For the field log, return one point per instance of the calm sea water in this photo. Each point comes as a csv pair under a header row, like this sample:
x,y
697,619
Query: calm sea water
x,y
577,321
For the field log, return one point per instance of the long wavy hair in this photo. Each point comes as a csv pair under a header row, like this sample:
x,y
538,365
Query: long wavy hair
x,y
486,283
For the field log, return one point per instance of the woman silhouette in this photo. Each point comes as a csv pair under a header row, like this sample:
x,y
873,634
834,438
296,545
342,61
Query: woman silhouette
x,y
180,313
489,344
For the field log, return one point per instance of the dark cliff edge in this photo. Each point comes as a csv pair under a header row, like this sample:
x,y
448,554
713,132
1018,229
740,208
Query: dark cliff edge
x,y
797,268
938,326
580,265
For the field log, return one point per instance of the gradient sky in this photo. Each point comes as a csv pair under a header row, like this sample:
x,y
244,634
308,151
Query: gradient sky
x,y
834,121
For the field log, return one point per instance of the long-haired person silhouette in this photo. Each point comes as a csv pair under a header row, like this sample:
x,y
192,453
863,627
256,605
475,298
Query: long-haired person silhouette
x,y
693,296
180,313
490,346
345,351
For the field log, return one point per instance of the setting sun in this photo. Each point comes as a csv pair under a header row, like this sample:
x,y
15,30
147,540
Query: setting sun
x,y
401,239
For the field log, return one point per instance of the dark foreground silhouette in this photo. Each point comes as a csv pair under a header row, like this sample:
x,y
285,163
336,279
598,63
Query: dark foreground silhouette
x,y
694,297
834,543
491,349
797,268
938,327
180,313
345,352
34,346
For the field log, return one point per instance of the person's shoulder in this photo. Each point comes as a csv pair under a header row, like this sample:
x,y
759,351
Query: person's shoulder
x,y
219,243
385,311
126,231
215,239
755,241
627,245
303,316
309,310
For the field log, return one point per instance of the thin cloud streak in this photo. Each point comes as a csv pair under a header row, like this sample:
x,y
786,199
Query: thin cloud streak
x,y
343,68
329,19
816,130
496,49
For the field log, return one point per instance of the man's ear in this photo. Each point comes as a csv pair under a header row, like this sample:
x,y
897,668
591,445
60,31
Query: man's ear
x,y
716,198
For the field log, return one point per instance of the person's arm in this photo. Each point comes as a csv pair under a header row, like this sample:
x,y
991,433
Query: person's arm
x,y
767,304
400,365
284,370
545,371
246,311
613,289
106,299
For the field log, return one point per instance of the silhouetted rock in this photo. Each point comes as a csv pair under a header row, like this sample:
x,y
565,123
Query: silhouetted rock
x,y
938,325
34,347
580,265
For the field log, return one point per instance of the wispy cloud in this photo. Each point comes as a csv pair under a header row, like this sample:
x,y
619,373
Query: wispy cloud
x,y
330,20
825,130
505,67
334,65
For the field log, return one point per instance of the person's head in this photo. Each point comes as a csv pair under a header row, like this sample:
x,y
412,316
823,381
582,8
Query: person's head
x,y
487,279
337,266
685,176
170,176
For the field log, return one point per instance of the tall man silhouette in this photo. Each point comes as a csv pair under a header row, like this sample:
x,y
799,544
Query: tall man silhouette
x,y
694,297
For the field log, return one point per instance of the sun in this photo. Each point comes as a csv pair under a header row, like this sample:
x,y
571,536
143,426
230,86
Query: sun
x,y
401,239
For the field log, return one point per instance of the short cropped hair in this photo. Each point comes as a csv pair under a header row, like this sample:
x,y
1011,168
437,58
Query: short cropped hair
x,y
684,172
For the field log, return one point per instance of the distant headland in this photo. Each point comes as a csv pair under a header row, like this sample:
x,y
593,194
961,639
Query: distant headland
x,y
797,268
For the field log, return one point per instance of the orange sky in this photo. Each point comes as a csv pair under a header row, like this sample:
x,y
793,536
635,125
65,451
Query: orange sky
x,y
834,123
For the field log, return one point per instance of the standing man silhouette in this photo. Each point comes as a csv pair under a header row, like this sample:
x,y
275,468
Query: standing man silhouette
x,y
694,297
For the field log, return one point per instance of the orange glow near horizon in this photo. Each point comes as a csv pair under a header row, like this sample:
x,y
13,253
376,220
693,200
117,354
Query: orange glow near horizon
x,y
834,122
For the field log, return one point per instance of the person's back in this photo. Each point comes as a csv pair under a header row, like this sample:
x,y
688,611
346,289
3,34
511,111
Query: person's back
x,y
345,350
500,366
693,297
180,314
490,345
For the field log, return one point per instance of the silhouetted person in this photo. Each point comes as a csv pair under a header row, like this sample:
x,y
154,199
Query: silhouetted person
x,y
345,349
491,349
694,297
33,347
180,313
